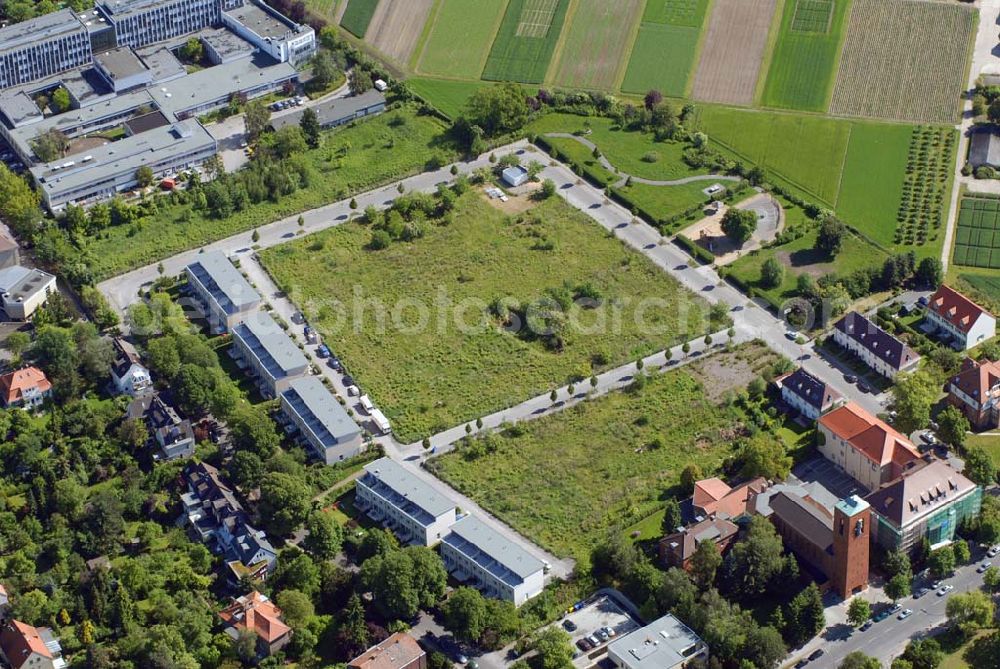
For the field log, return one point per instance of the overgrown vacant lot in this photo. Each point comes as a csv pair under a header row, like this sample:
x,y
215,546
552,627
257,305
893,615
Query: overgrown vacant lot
x,y
566,479
351,159
597,42
436,376
904,59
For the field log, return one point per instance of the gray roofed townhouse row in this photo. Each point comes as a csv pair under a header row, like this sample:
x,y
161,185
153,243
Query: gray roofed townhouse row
x,y
398,499
503,558
272,355
857,331
227,295
391,477
322,420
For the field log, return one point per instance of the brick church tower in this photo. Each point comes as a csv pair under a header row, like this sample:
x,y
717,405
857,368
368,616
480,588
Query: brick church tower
x,y
851,545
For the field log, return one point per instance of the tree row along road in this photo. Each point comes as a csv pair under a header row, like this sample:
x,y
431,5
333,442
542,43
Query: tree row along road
x,y
750,320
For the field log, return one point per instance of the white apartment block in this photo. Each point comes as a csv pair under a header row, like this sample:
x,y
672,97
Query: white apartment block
x,y
42,47
963,321
277,36
403,503
499,568
878,349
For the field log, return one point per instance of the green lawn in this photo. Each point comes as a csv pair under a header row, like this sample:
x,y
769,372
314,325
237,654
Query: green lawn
x,y
666,201
448,96
806,151
662,58
571,477
440,375
325,9
981,285
623,148
358,15
872,186
805,57
375,151
460,38
991,443
523,57
580,154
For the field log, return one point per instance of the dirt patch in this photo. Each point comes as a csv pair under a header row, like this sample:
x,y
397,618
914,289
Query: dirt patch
x,y
732,370
518,201
85,144
396,26
708,233
733,50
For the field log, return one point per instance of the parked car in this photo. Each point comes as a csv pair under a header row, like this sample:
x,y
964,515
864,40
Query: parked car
x,y
863,387
881,615
904,614
348,380
602,635
609,631
583,645
895,608
569,625
945,590
594,640
322,351
984,566
993,551
866,626
850,378
801,663
920,593
816,654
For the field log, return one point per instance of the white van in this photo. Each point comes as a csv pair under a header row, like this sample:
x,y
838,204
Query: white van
x,y
381,422
366,404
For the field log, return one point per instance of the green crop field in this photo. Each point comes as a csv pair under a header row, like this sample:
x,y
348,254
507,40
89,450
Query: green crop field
x,y
689,13
662,59
358,15
977,240
325,9
806,151
565,480
352,159
988,287
525,41
448,96
460,363
597,42
806,54
460,39
905,60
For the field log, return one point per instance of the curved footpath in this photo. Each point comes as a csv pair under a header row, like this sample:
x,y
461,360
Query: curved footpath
x,y
625,176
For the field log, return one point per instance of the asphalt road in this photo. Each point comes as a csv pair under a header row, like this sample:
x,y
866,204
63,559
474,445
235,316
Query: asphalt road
x,y
887,639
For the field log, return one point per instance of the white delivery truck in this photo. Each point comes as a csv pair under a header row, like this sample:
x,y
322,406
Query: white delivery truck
x,y
381,422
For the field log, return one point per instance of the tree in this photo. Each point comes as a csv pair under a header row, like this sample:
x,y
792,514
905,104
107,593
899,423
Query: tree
x,y
352,626
325,535
19,203
296,608
942,561
548,189
898,587
50,145
17,342
858,611
991,578
497,109
103,524
285,501
465,614
952,426
979,466
753,564
690,475
858,660
402,581
772,273
930,272
962,552
60,100
252,430
764,455
325,70
296,571
256,117
359,81
309,123
912,397
376,542
554,649
764,646
970,611
831,235
805,617
671,516
144,176
923,654
192,51
739,224
705,562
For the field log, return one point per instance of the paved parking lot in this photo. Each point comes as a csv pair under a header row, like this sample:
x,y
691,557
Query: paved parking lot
x,y
601,612
825,473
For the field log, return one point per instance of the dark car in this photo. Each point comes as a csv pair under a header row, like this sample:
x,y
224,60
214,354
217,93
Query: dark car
x,y
863,387
816,654
866,626
801,663
850,378
583,645
569,625
881,615
348,380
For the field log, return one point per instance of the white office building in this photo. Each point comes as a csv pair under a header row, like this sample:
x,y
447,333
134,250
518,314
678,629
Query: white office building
x,y
474,553
226,297
42,47
666,643
140,22
276,35
323,424
401,502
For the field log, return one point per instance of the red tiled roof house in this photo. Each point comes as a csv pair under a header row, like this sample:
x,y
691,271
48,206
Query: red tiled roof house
x,y
967,323
868,449
258,614
27,647
399,651
26,388
975,391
